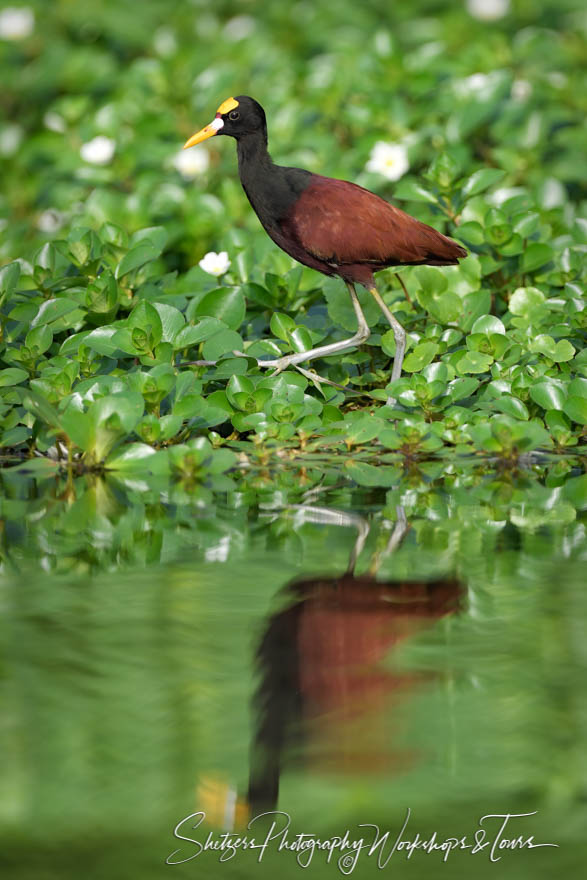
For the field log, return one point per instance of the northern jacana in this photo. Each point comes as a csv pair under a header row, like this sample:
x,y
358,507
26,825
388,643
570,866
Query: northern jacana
x,y
333,226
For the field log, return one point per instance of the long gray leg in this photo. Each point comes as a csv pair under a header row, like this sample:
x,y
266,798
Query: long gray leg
x,y
398,332
399,335
360,336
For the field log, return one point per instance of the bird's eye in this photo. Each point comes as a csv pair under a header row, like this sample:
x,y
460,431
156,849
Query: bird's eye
x,y
234,114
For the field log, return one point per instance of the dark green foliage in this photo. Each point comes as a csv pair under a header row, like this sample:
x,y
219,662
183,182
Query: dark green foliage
x,y
100,322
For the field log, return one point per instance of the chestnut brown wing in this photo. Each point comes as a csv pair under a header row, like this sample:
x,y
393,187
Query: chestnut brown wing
x,y
340,222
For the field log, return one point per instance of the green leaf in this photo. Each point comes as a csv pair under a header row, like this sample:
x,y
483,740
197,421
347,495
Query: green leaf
x,y
9,277
226,304
368,475
576,409
78,427
52,309
132,458
40,407
222,344
39,339
481,180
102,294
497,230
488,324
563,351
472,233
145,317
172,321
511,406
458,389
524,299
156,236
363,430
189,406
140,255
474,362
112,418
239,385
412,191
577,387
474,306
548,393
281,325
300,339
340,309
544,344
40,468
203,330
423,354
101,341
510,247
437,372
12,376
575,490
528,224
537,254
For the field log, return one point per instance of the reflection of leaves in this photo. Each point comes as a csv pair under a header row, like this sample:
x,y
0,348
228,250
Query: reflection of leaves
x,y
367,475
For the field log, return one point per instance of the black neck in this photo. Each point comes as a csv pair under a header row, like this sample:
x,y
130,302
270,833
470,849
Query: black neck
x,y
252,154
271,189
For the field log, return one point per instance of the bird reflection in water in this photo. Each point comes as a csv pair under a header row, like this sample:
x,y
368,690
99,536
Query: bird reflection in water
x,y
327,696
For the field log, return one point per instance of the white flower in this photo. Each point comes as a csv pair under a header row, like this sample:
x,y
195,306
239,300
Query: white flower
x,y
478,85
164,42
215,264
190,163
501,195
239,28
383,44
521,89
553,193
390,160
98,151
218,553
488,10
54,122
10,139
50,221
476,82
16,23
557,79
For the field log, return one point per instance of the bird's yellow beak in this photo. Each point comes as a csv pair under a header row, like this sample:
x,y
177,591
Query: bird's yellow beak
x,y
214,127
207,132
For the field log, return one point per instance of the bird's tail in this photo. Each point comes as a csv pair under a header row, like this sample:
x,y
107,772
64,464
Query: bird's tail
x,y
440,250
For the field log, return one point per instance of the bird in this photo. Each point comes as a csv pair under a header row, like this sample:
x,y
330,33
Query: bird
x,y
334,226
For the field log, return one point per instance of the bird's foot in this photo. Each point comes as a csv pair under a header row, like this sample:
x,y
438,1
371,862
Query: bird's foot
x,y
277,364
280,364
318,380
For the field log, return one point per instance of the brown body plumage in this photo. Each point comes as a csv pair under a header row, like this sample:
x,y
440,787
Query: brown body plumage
x,y
333,226
349,231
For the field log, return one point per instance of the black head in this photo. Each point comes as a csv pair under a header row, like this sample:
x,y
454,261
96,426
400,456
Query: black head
x,y
248,117
237,117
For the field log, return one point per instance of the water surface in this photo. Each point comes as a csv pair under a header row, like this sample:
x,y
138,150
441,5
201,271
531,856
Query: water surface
x,y
334,658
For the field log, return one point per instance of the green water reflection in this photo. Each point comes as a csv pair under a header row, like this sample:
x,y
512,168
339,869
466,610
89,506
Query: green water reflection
x,y
340,656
